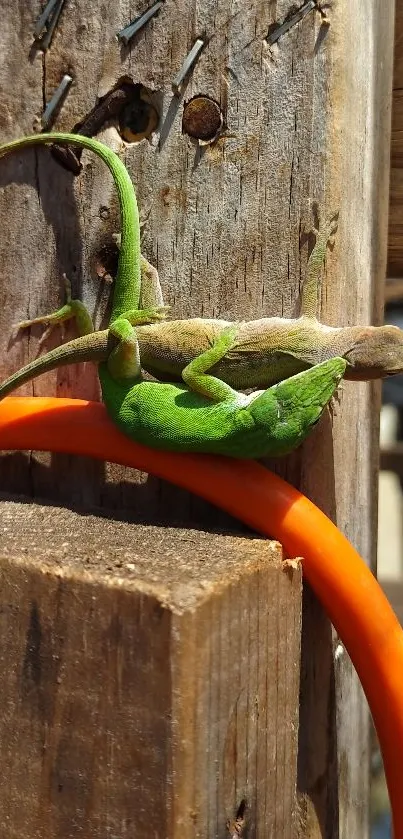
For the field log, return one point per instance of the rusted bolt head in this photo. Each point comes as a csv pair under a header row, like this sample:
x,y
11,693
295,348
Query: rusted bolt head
x,y
202,119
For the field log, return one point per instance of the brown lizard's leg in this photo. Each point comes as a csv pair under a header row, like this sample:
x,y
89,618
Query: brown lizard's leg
x,y
151,293
309,296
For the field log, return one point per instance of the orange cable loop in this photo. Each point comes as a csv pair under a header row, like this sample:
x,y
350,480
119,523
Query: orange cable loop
x,y
347,589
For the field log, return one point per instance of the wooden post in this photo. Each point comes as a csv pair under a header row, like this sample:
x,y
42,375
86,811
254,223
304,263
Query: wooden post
x,y
395,239
150,679
306,120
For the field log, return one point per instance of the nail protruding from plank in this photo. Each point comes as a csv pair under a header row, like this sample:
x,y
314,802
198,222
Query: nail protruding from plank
x,y
188,63
276,33
127,33
48,20
44,18
55,101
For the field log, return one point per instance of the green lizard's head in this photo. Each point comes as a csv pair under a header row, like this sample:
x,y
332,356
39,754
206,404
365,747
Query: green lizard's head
x,y
287,411
377,351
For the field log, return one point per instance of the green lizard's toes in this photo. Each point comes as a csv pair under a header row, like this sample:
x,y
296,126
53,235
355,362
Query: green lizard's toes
x,y
161,312
229,334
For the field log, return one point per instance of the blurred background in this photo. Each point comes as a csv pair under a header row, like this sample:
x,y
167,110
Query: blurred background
x,y
390,529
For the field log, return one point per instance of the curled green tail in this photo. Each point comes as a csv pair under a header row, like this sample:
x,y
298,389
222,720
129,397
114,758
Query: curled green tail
x,y
126,294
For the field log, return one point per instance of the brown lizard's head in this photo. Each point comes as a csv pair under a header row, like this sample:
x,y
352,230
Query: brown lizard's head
x,y
376,352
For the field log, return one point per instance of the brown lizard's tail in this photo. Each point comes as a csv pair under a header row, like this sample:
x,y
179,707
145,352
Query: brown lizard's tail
x,y
95,347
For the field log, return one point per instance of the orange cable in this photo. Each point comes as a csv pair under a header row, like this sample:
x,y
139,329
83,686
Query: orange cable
x,y
348,591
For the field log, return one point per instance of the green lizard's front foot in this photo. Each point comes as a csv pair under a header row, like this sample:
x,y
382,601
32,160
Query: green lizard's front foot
x,y
153,314
197,379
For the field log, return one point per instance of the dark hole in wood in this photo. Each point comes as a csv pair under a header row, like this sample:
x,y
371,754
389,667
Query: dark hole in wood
x,y
131,107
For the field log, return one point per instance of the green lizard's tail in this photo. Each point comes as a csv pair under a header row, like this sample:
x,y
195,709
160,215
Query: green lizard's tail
x,y
95,347
127,287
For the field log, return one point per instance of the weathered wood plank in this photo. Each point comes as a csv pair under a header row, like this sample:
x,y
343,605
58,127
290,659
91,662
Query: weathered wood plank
x,y
150,679
395,237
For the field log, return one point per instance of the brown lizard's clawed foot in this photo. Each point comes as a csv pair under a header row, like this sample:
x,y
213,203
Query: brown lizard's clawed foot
x,y
325,236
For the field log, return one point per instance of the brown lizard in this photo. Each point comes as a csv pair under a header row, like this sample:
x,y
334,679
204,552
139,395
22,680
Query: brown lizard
x,y
262,352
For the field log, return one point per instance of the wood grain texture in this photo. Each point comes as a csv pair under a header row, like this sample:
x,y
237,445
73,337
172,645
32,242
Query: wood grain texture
x,y
395,237
307,121
150,679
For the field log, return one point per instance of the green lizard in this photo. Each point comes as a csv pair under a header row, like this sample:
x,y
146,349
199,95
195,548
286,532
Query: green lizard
x,y
263,351
207,415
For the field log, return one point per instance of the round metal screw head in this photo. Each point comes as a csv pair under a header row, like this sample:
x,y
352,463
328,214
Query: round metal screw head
x,y
202,119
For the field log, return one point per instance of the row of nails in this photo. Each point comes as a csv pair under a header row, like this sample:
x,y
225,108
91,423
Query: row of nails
x,y
50,15
48,21
127,33
49,18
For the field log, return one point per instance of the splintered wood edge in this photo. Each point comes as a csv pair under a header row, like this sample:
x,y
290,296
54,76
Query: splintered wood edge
x,y
178,566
